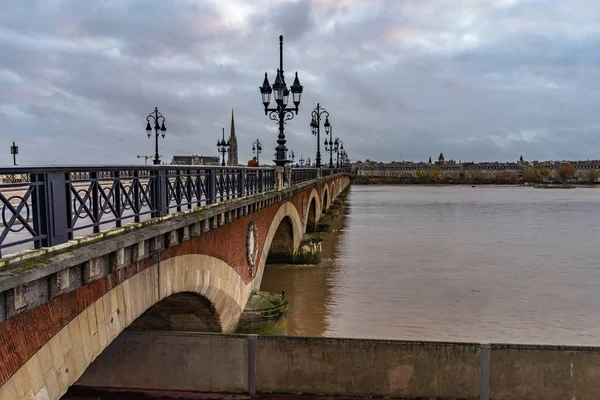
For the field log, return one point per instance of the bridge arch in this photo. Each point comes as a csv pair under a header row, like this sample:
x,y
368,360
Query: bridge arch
x,y
326,198
67,355
289,211
313,210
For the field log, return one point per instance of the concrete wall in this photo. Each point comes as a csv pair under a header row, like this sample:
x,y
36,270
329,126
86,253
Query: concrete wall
x,y
172,360
216,363
544,372
367,368
346,367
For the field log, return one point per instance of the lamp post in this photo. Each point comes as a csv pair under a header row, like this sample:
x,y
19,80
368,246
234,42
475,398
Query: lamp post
x,y
301,161
329,146
281,112
257,149
14,150
223,146
293,156
308,161
315,126
345,159
156,116
339,145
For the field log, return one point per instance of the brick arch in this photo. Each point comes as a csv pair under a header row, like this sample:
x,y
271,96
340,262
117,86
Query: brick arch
x,y
62,360
287,209
314,195
326,200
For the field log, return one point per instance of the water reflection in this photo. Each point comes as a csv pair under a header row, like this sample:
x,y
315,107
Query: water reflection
x,y
309,286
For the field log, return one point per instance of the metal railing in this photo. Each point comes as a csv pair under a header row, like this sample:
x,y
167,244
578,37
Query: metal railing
x,y
54,203
303,174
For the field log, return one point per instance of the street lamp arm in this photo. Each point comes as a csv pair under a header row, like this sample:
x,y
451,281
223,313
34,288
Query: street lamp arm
x,y
286,114
317,115
286,109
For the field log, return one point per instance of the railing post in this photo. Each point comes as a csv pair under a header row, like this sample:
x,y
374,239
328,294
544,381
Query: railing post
x,y
178,196
135,185
188,187
95,201
242,182
288,176
211,186
50,204
159,193
261,178
118,198
279,178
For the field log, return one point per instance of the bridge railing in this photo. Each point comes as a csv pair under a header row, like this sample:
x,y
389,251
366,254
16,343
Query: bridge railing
x,y
304,174
47,206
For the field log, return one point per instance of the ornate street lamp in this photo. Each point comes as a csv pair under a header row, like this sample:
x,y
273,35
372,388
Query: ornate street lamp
x,y
223,147
339,145
308,162
14,150
159,128
315,126
329,145
345,159
293,156
257,149
301,161
281,112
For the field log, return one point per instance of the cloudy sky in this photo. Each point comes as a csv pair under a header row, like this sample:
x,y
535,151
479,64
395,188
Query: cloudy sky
x,y
402,79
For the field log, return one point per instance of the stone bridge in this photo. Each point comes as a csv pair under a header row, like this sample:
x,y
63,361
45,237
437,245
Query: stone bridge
x,y
208,232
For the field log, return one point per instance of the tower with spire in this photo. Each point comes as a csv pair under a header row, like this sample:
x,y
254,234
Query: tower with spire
x,y
232,158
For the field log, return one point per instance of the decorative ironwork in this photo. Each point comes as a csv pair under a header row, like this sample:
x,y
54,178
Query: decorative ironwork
x,y
315,127
281,112
303,174
50,205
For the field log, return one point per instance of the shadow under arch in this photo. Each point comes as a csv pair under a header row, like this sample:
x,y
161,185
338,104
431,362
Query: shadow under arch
x,y
312,214
182,312
326,199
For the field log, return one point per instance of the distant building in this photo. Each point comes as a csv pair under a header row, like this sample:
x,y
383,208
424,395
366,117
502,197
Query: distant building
x,y
195,160
232,156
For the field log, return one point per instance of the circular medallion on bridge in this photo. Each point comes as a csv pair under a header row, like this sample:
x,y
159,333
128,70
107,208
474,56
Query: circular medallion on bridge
x,y
251,246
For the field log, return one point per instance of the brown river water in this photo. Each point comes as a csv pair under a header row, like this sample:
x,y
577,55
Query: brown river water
x,y
454,263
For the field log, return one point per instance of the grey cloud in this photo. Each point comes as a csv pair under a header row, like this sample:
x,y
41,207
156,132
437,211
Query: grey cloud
x,y
475,81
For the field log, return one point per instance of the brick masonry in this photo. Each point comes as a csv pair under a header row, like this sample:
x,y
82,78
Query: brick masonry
x,y
33,321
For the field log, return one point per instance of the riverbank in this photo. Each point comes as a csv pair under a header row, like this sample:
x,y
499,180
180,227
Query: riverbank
x,y
393,180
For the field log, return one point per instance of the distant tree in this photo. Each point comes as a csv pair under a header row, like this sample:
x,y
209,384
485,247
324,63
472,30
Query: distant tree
x,y
531,175
429,175
544,173
591,176
566,171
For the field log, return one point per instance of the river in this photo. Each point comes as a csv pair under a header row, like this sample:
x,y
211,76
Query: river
x,y
454,263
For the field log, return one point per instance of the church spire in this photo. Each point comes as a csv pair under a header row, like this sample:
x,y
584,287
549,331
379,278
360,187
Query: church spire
x,y
232,158
232,134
